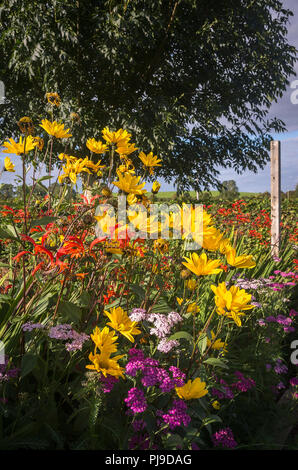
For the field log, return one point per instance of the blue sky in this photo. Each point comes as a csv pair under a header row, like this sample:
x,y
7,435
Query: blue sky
x,y
284,109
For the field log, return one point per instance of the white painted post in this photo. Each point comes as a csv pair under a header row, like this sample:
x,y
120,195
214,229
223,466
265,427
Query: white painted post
x,y
275,197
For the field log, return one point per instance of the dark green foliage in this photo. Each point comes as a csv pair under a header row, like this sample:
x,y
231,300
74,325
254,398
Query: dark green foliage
x,y
192,80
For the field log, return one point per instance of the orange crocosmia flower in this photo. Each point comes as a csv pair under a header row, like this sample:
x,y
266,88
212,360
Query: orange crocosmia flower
x,y
62,265
224,267
81,275
73,246
38,249
37,268
20,255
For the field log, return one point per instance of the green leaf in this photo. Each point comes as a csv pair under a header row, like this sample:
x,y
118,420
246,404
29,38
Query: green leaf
x,y
211,419
69,311
7,234
29,362
43,221
213,361
182,335
202,344
138,290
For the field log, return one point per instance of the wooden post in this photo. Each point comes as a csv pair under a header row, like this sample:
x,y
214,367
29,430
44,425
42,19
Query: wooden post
x,y
275,197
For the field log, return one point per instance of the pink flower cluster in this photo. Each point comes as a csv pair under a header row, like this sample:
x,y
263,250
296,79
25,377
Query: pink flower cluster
x,y
224,438
176,416
65,332
152,373
162,326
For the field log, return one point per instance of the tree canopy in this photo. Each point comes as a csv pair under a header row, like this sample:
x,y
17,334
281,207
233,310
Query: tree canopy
x,y
192,80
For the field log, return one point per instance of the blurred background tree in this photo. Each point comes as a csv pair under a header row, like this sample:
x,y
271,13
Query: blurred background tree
x,y
229,190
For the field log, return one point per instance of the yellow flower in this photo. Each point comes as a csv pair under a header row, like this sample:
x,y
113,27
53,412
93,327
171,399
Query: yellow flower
x,y
120,321
72,169
192,389
26,125
96,146
8,165
95,167
126,167
106,191
191,284
21,147
155,187
105,364
225,246
149,161
216,405
244,261
132,199
195,223
130,184
217,344
201,266
230,303
126,149
120,137
104,340
161,246
179,300
211,241
39,142
53,99
113,247
55,129
193,308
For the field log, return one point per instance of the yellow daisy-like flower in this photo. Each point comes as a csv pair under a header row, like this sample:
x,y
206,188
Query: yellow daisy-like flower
x,y
179,300
104,340
225,246
55,129
191,284
120,321
95,167
26,125
196,224
126,167
216,405
155,187
39,142
126,149
230,303
68,158
96,146
211,242
72,169
120,137
193,308
130,184
132,199
53,98
20,148
8,165
105,364
150,161
200,266
244,261
160,245
216,344
192,389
